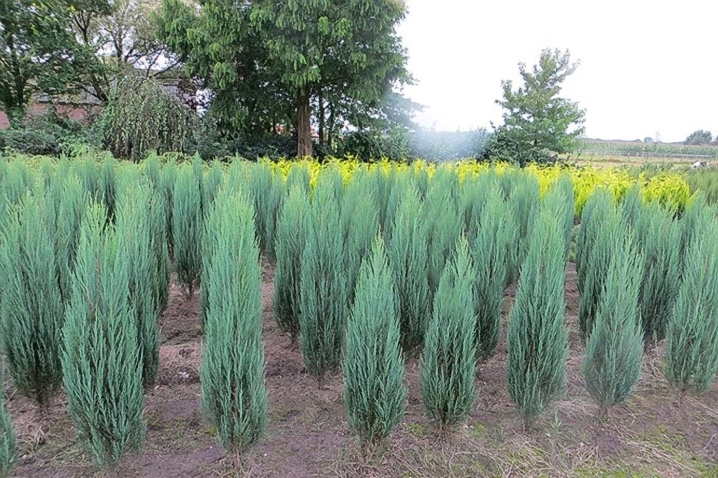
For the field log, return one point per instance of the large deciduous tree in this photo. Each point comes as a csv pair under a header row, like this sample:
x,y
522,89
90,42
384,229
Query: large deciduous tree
x,y
39,53
537,120
290,63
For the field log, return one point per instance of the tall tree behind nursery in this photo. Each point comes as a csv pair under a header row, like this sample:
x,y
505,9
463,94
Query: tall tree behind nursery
x,y
323,298
537,340
32,306
234,397
272,63
691,353
537,121
374,390
101,362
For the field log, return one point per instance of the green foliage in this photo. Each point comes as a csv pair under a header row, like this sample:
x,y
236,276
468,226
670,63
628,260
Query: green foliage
x,y
374,145
212,183
234,397
561,201
660,240
522,192
141,118
699,137
614,350
38,51
407,250
101,362
47,134
32,301
443,223
290,244
360,225
300,60
537,338
495,232
267,194
448,362
537,121
70,199
374,390
187,226
135,221
691,352
8,443
323,297
600,225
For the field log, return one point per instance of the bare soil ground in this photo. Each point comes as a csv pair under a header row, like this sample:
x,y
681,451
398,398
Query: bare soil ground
x,y
650,435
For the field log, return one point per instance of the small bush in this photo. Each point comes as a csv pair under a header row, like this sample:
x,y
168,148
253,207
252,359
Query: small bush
x,y
374,390
448,362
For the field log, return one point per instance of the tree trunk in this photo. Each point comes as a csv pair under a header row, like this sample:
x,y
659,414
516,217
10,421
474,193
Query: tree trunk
x,y
331,124
320,99
304,126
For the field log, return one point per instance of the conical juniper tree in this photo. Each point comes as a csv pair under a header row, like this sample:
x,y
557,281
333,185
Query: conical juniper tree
x,y
323,298
660,240
407,250
187,227
560,199
495,231
537,338
101,362
691,352
134,222
448,362
614,350
32,305
374,390
8,442
600,226
234,397
289,248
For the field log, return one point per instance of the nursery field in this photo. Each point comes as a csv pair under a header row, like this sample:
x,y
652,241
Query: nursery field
x,y
174,318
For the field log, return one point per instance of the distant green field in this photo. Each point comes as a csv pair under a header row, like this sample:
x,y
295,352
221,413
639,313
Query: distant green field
x,y
593,148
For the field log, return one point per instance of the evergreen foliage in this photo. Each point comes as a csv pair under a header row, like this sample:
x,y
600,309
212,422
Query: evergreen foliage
x,y
32,305
374,390
523,197
600,225
691,352
537,338
407,251
448,362
234,397
267,193
614,350
290,243
101,362
495,233
660,239
187,228
323,295
135,225
560,200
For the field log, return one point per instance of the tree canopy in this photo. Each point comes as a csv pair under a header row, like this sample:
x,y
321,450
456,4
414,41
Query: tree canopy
x,y
699,137
537,120
293,63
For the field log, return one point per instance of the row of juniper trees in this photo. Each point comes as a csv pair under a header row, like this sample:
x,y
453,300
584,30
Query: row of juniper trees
x,y
371,270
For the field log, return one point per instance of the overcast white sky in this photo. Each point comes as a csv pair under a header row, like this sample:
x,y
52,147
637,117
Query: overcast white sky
x,y
647,67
